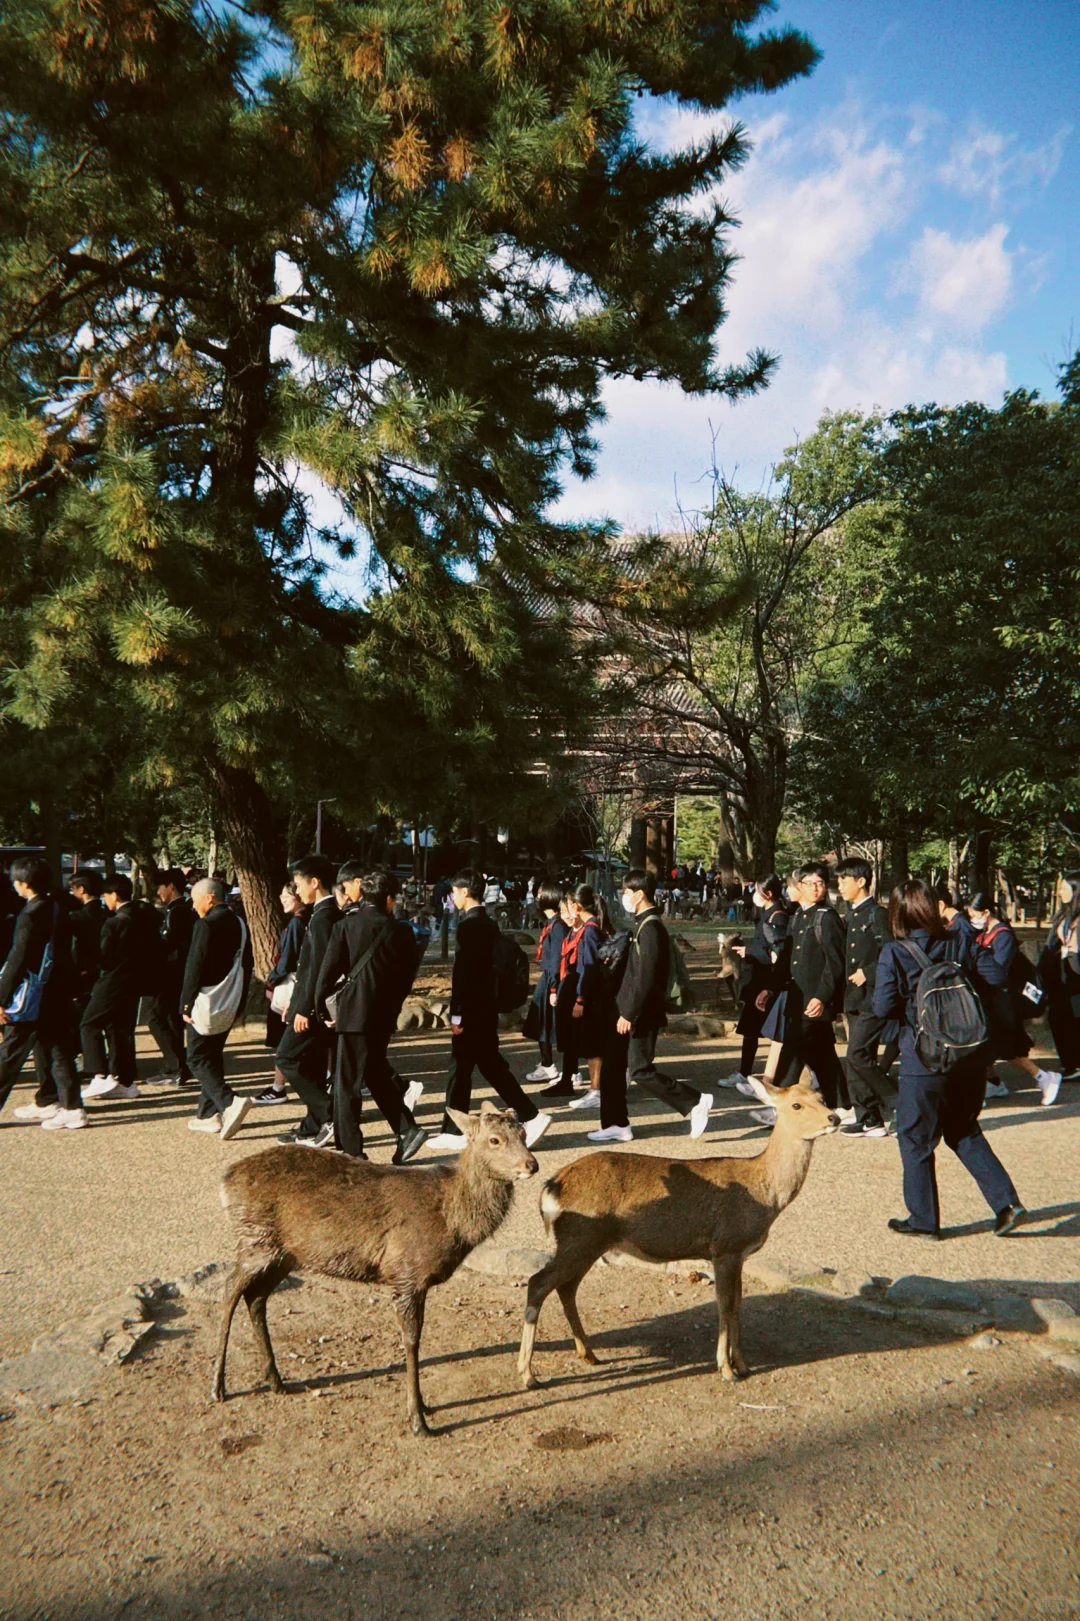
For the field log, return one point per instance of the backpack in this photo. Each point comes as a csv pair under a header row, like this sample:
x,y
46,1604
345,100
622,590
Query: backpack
x,y
679,992
949,1018
25,1005
612,955
511,975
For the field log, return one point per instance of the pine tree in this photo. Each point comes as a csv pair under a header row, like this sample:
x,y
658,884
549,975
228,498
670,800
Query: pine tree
x,y
401,246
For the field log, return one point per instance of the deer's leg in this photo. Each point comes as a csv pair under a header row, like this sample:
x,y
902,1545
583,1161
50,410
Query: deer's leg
x,y
409,1305
256,1294
735,1351
568,1297
245,1270
728,1271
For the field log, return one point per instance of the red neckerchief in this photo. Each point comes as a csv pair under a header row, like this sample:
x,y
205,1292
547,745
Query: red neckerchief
x,y
984,938
571,947
544,932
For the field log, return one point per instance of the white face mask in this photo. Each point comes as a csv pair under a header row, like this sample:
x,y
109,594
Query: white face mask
x,y
629,903
759,899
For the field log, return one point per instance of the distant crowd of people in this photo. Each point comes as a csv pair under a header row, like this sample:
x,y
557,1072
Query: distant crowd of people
x,y
941,986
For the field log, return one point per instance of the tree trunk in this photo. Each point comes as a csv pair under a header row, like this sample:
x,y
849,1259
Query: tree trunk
x,y
981,871
897,867
954,866
246,818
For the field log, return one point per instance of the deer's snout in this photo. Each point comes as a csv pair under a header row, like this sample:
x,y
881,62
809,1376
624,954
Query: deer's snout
x,y
834,1122
529,1167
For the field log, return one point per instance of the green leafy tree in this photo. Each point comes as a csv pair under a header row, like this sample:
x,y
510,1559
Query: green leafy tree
x,y
397,247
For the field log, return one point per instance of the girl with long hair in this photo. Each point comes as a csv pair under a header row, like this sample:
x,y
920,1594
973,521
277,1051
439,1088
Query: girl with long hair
x,y
765,970
1009,1041
585,1005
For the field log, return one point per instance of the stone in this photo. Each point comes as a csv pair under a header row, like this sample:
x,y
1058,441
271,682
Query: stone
x,y
940,1320
1014,1311
707,1025
983,1342
499,1262
1052,1310
1067,1363
1065,1331
512,1021
767,1273
205,1283
937,1294
853,1285
62,1364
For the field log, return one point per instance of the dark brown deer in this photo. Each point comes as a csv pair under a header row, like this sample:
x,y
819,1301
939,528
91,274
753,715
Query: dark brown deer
x,y
717,1209
409,1228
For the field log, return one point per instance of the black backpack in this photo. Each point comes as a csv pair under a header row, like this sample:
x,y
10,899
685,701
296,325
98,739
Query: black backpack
x,y
511,968
613,955
949,1018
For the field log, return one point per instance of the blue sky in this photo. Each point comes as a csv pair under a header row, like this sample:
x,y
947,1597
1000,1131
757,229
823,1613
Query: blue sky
x,y
910,232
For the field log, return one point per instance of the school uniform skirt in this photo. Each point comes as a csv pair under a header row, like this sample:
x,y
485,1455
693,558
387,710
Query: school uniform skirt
x,y
775,1026
1007,1033
540,1019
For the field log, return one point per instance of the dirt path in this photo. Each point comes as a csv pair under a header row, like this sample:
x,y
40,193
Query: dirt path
x,y
863,1470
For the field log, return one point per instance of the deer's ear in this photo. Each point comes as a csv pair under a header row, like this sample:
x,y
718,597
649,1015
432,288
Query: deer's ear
x,y
764,1091
465,1123
488,1108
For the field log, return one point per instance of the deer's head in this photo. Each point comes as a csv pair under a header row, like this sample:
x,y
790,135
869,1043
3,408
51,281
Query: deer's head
x,y
800,1111
498,1138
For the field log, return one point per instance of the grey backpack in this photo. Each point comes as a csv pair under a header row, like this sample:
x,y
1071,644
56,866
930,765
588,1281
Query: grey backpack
x,y
949,1018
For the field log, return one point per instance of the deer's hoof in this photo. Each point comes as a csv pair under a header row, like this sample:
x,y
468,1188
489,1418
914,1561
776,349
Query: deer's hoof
x,y
420,1428
217,1390
730,1374
529,1381
590,1357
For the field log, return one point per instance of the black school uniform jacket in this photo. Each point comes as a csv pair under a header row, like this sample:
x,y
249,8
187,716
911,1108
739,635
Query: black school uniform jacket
x,y
130,951
215,940
772,938
643,991
472,990
87,922
817,965
324,915
375,996
34,927
867,932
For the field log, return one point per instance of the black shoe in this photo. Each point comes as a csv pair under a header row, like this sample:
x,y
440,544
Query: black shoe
x,y
323,1138
906,1230
874,1126
270,1096
1075,1076
1007,1219
409,1143
558,1089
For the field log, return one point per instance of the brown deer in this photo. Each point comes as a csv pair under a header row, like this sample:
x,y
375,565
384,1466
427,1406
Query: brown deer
x,y
344,1218
717,1208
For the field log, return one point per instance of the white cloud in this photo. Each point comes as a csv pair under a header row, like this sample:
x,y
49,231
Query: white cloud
x,y
968,281
986,163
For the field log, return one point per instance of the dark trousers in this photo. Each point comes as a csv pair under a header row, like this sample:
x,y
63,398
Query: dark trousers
x,y
302,1059
206,1060
752,1020
873,1094
569,1063
111,1014
362,1062
1065,1029
477,1047
53,1046
633,1057
810,1043
166,1025
947,1106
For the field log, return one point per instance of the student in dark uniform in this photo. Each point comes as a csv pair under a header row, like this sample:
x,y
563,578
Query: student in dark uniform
x,y
584,1005
40,1017
279,983
873,1094
164,1019
376,955
304,1049
540,1020
815,993
639,1016
130,967
474,1022
933,1106
765,970
1059,970
1009,1040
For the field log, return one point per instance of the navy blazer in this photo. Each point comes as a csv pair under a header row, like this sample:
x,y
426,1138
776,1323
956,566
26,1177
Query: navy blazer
x,y
897,980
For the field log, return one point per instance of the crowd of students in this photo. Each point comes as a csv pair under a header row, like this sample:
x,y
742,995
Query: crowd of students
x,y
79,964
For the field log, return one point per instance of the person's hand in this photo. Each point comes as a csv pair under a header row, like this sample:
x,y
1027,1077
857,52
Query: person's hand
x,y
761,1001
739,951
624,1027
188,1019
300,1024
554,998
858,977
455,1029
3,1017
815,1008
579,1011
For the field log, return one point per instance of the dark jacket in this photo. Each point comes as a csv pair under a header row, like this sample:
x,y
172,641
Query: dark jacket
x,y
772,938
375,996
898,977
37,923
177,926
131,951
643,991
287,960
817,958
324,915
867,932
87,923
549,956
472,989
586,1035
215,940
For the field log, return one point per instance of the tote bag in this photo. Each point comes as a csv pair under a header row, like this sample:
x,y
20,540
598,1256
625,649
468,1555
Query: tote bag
x,y
216,1006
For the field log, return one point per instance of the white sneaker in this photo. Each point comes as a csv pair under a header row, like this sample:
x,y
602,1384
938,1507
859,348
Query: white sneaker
x,y
582,1082
233,1118
535,1128
612,1134
746,1089
212,1124
699,1115
732,1082
99,1087
36,1111
588,1100
764,1117
543,1072
65,1120
846,1117
413,1093
116,1090
1049,1083
447,1142
996,1089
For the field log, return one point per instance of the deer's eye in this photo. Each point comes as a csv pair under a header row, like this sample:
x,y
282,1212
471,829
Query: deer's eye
x,y
494,1141
796,1105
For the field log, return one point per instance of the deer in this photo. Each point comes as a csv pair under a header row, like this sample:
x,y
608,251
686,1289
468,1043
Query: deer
x,y
341,1217
718,1208
730,968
